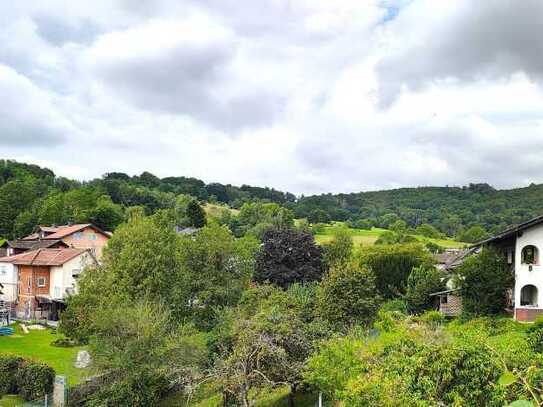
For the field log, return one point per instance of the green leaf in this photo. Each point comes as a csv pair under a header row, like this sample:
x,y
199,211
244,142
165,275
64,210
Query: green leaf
x,y
507,379
521,403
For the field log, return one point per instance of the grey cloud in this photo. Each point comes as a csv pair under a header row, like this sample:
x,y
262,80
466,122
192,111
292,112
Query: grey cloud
x,y
58,31
480,40
192,81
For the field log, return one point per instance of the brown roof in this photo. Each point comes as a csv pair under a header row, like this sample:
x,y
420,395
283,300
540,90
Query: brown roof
x,y
61,232
33,244
44,257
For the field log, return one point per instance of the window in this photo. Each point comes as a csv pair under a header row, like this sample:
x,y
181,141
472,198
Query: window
x,y
530,255
443,299
78,235
3,270
92,236
29,280
528,296
41,281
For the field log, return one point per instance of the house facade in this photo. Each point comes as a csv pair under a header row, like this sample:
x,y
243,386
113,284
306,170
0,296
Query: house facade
x,y
522,246
9,280
80,236
45,278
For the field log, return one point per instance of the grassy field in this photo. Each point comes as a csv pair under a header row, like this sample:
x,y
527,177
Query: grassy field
x,y
37,345
368,237
214,209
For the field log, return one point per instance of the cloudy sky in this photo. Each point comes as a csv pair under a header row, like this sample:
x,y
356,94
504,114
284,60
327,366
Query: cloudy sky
x,y
308,96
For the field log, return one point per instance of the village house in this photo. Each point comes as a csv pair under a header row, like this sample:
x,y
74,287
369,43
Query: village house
x,y
80,236
45,277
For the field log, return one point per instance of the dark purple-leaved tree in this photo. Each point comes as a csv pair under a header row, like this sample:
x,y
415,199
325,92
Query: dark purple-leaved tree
x,y
289,256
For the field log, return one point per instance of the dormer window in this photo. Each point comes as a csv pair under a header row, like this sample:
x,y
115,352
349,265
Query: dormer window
x,y
530,255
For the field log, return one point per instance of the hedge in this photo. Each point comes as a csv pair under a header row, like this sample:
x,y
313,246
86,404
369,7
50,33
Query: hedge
x,y
34,380
8,369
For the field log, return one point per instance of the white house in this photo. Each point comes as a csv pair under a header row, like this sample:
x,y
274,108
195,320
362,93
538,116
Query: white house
x,y
522,246
9,279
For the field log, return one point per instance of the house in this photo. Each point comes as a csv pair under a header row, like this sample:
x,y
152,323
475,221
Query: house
x,y
448,301
8,279
80,236
521,246
13,247
45,278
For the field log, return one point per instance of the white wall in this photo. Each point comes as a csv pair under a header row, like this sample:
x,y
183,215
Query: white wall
x,y
523,276
8,277
62,276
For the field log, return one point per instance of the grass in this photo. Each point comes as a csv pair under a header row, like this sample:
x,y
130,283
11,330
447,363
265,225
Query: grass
x,y
368,237
215,209
36,345
11,400
209,396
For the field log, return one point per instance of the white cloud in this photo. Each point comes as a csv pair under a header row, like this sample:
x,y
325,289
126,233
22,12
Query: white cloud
x,y
283,93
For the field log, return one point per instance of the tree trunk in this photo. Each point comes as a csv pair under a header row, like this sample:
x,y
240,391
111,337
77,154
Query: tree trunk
x,y
292,394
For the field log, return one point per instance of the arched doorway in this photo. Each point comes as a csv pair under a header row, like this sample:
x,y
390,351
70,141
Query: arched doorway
x,y
528,296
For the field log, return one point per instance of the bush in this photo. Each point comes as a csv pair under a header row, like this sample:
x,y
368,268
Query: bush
x,y
433,318
535,335
392,264
422,282
8,369
64,343
395,305
34,380
484,280
348,296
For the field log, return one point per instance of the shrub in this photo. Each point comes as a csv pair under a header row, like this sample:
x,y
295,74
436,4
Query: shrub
x,y
348,296
535,335
433,318
395,305
34,380
8,369
484,280
422,282
64,343
392,265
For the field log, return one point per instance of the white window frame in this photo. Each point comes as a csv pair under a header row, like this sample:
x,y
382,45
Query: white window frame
x,y
44,284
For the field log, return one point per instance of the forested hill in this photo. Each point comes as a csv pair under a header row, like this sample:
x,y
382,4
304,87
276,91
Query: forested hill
x,y
30,194
449,209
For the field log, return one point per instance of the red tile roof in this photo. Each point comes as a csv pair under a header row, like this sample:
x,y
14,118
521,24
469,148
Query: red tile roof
x,y
43,257
61,232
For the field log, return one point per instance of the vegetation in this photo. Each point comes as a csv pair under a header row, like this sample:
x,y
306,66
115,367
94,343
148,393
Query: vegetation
x,y
288,256
484,280
28,378
422,282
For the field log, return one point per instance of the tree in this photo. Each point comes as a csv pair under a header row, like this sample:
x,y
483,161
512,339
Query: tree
x,y
196,214
289,256
472,234
215,270
348,296
392,264
140,355
106,215
340,249
484,280
318,216
430,231
272,336
15,197
422,282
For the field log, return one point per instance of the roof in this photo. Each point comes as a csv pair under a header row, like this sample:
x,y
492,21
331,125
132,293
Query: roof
x,y
185,231
512,231
451,260
32,244
444,292
44,257
61,232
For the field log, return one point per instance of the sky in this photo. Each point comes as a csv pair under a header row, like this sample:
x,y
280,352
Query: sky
x,y
308,96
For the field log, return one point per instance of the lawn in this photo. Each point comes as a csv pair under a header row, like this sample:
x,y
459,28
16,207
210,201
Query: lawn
x,y
368,237
37,345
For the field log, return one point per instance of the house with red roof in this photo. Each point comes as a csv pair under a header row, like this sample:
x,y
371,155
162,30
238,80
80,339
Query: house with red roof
x,y
45,277
79,236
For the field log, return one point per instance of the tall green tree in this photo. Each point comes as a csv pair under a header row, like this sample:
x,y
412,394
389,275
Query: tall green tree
x,y
196,214
423,281
484,280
